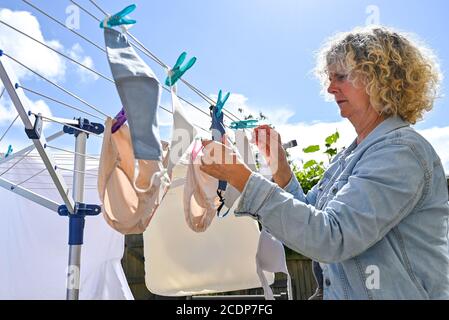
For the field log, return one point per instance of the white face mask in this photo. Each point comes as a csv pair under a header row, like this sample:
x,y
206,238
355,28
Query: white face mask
x,y
183,133
244,151
270,257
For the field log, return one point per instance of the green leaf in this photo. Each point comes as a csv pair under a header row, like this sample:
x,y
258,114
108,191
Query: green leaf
x,y
332,151
309,163
311,149
332,138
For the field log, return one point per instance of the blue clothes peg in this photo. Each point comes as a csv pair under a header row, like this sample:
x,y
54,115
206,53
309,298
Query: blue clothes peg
x,y
9,152
177,71
120,18
244,124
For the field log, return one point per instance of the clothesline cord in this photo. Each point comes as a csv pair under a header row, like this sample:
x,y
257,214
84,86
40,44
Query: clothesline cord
x,y
6,131
199,127
60,102
57,86
77,171
144,51
162,64
73,152
63,25
34,175
16,163
59,52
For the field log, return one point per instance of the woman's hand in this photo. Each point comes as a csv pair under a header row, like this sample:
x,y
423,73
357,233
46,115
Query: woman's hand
x,y
269,143
222,163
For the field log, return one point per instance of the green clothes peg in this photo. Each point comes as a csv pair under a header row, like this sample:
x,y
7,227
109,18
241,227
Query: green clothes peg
x,y
119,18
177,71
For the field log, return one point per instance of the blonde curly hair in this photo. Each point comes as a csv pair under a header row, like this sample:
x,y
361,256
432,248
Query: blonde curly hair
x,y
400,74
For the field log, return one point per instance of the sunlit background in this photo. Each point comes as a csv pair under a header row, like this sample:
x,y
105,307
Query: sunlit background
x,y
261,51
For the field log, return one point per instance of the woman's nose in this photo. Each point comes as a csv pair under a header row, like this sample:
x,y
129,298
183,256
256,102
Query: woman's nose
x,y
332,89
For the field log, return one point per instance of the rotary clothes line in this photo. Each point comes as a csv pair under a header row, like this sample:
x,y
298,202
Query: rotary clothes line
x,y
33,240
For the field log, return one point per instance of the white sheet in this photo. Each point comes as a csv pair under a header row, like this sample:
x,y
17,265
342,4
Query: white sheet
x,y
33,241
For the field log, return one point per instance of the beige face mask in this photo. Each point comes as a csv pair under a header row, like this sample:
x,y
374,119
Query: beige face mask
x,y
129,202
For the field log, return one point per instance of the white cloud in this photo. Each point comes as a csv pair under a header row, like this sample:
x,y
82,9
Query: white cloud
x,y
76,53
29,52
439,138
36,57
32,54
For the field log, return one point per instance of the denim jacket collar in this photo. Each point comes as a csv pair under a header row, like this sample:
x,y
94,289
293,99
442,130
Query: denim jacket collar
x,y
386,126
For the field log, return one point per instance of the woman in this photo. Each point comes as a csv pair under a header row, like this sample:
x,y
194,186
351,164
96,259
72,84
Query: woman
x,y
378,220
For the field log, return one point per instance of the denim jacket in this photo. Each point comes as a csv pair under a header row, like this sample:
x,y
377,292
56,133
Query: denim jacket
x,y
377,221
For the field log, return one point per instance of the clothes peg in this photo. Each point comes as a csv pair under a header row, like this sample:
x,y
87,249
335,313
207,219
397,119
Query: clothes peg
x,y
119,18
216,114
9,152
177,71
244,124
120,120
220,103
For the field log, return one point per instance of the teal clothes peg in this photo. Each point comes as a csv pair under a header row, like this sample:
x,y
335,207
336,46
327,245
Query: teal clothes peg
x,y
220,103
244,124
119,18
217,127
177,71
9,152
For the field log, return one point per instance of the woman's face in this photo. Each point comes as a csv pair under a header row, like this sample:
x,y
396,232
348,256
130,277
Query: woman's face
x,y
353,100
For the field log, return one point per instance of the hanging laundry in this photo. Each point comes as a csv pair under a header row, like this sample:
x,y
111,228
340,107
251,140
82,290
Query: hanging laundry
x,y
179,262
243,149
139,91
270,257
183,133
200,193
127,205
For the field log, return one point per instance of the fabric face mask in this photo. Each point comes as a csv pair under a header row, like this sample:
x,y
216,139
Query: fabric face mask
x,y
244,150
183,133
128,205
139,92
200,193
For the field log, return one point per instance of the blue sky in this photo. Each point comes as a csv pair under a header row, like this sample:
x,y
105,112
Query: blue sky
x,y
261,50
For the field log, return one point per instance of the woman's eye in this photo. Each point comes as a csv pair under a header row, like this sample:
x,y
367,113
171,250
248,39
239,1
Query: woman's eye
x,y
341,77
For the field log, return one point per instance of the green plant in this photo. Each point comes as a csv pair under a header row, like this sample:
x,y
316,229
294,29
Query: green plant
x,y
312,171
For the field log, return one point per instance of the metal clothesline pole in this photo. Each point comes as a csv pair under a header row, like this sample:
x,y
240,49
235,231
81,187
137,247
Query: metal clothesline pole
x,y
73,274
